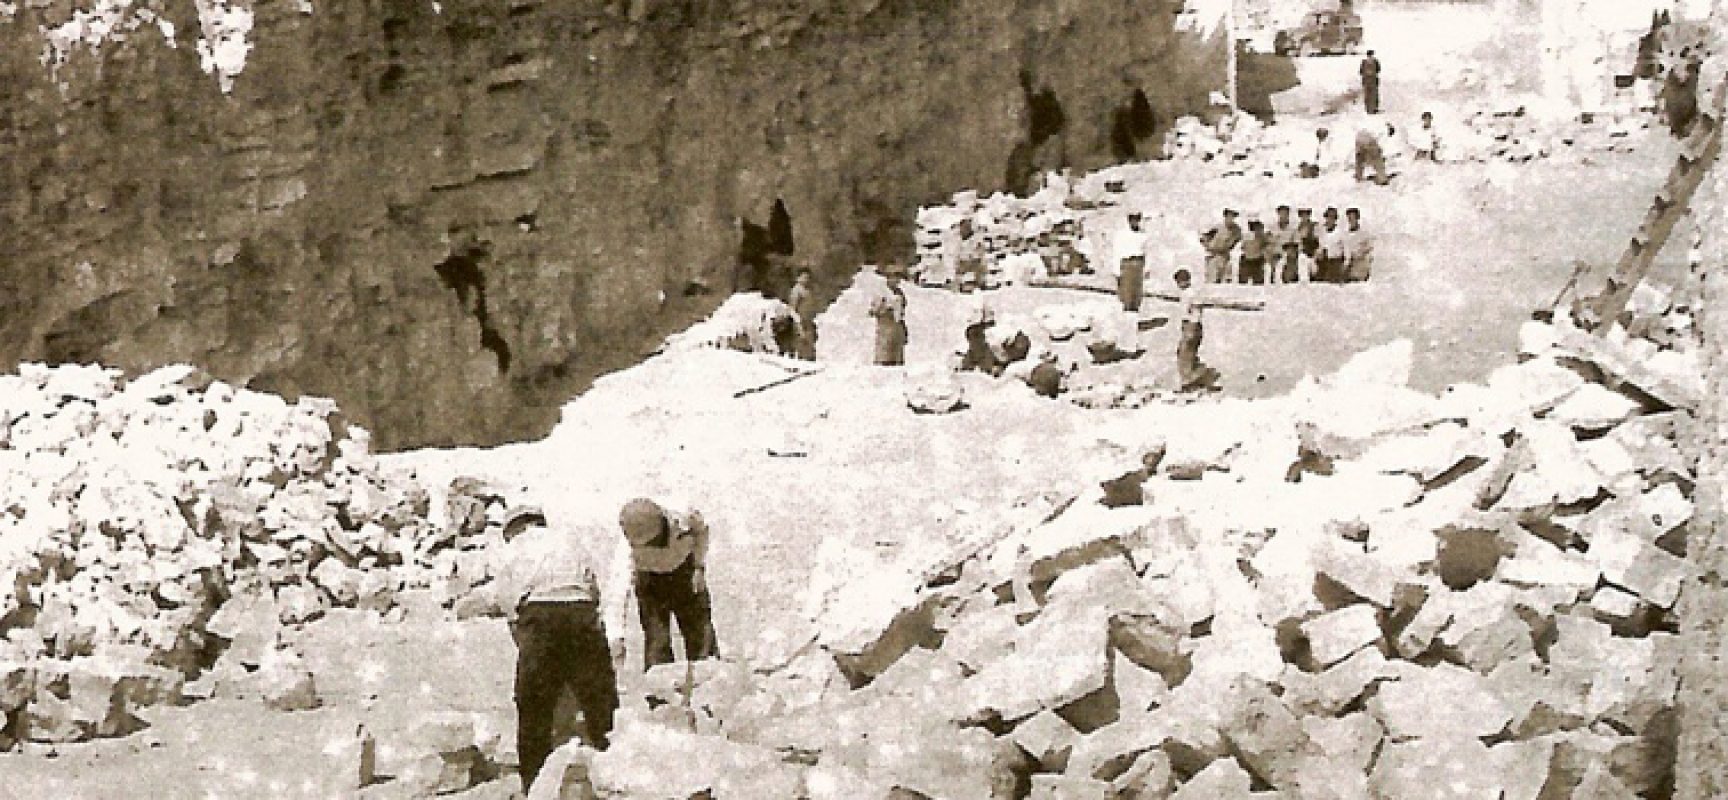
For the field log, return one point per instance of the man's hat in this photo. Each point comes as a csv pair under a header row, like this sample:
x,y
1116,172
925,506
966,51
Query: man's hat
x,y
1231,212
639,515
892,269
1136,213
1356,211
1304,211
526,512
1282,208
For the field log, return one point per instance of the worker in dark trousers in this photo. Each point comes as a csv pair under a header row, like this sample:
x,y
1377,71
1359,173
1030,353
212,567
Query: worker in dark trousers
x,y
669,554
1370,71
550,586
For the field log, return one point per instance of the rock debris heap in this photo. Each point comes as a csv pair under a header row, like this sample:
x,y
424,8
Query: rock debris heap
x,y
130,511
1365,591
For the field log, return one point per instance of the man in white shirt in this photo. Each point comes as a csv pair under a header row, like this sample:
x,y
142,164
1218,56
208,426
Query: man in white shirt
x,y
1128,250
561,602
1191,302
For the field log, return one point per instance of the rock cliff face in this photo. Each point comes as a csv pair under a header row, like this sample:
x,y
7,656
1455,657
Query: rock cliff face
x,y
451,216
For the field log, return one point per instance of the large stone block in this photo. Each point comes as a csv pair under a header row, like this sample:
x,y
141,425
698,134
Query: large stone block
x,y
1266,736
1047,738
1456,766
1439,702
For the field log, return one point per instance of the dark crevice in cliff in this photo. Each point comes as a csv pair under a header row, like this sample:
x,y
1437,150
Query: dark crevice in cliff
x,y
461,272
780,229
763,252
1131,125
1043,148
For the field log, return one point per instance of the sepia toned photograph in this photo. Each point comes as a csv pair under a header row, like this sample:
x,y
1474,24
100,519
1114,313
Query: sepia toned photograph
x,y
863,399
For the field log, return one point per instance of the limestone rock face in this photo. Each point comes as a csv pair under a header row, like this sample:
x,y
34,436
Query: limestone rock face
x,y
450,217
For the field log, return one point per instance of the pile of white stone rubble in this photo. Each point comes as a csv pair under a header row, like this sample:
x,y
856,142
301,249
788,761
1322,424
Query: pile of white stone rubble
x,y
149,525
1360,591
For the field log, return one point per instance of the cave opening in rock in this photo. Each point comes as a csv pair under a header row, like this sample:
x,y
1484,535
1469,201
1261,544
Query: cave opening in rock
x,y
461,272
1042,149
763,253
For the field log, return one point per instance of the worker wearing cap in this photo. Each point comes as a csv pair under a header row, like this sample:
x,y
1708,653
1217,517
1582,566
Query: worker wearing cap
x,y
1369,69
1220,242
669,554
561,602
889,309
1330,258
1358,247
1251,267
1129,248
1286,241
1308,239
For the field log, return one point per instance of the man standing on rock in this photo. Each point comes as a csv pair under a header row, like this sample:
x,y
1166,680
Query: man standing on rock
x,y
1370,71
889,309
552,587
669,551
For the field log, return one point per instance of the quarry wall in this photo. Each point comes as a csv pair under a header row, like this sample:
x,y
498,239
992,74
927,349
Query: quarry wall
x,y
451,215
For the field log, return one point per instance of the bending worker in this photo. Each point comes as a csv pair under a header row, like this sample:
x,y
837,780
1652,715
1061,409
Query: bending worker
x,y
550,586
669,552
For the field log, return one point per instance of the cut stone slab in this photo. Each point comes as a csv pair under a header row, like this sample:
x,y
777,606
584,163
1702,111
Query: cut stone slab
x,y
1346,743
1087,533
1150,776
1436,767
1149,643
1266,736
1362,574
1439,702
1637,565
1523,767
1594,407
1137,688
873,622
1110,752
1330,691
1612,604
1334,636
1061,657
1047,738
1223,779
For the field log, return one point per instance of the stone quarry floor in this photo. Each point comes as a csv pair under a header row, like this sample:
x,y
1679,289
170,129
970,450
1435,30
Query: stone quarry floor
x,y
829,477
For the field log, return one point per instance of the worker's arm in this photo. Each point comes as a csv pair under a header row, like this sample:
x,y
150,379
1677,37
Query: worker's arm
x,y
1168,297
698,539
617,586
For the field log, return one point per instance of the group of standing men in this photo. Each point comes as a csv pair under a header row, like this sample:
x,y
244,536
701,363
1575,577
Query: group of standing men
x,y
1298,250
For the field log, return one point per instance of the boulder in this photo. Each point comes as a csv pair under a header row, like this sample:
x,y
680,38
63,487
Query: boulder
x,y
1522,767
872,623
1639,566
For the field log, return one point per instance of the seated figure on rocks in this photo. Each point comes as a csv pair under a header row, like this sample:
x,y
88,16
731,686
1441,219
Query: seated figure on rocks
x,y
561,603
669,553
